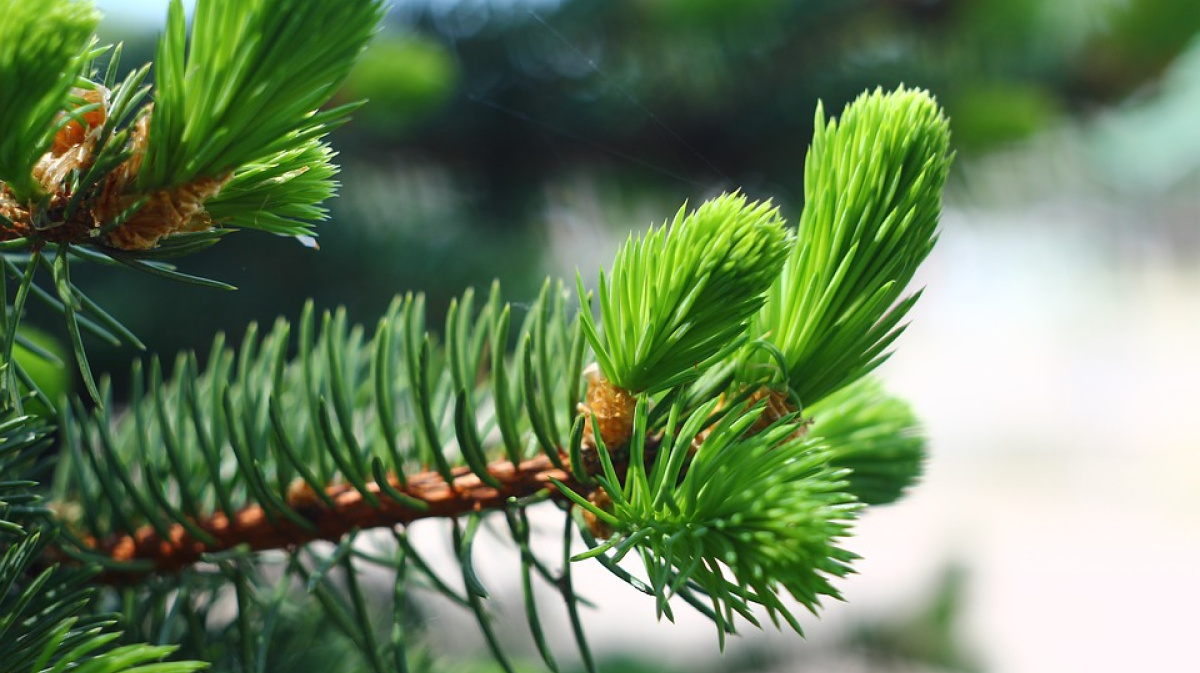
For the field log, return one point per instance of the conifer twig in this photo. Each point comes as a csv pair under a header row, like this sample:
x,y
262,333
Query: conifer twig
x,y
256,529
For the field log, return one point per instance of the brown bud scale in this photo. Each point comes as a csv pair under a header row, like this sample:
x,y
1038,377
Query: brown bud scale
x,y
612,407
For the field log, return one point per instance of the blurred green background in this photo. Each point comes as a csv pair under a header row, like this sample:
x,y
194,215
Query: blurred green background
x,y
1053,355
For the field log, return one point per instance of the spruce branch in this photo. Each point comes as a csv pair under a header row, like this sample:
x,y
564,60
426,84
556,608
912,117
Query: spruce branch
x,y
336,439
687,451
719,490
92,171
237,106
311,449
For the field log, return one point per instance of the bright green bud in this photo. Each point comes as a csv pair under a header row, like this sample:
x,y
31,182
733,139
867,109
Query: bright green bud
x,y
280,194
679,298
873,194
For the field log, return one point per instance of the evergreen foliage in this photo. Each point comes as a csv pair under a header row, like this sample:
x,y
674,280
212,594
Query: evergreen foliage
x,y
217,110
752,514
48,622
254,481
872,197
44,47
679,298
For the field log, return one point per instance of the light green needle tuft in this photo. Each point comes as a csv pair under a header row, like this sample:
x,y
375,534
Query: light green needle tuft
x,y
281,194
873,195
254,74
680,298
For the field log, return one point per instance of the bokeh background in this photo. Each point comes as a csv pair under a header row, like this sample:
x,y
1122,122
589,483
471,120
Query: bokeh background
x,y
1053,356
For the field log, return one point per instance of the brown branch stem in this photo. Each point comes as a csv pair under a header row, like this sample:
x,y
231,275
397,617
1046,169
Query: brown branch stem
x,y
258,530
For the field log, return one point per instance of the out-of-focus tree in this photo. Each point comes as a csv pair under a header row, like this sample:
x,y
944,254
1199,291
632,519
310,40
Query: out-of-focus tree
x,y
716,91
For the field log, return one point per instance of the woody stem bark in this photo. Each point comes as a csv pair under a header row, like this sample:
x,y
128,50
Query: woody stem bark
x,y
257,529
